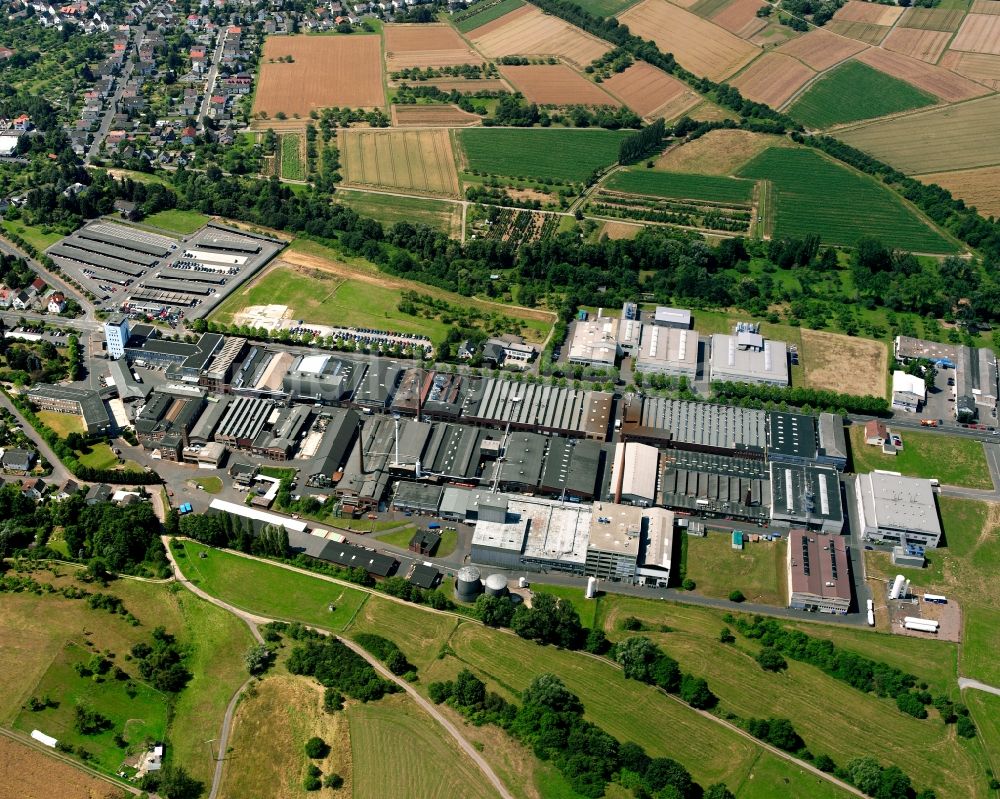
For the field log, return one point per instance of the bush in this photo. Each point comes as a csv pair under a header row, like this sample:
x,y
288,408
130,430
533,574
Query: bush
x,y
317,748
770,659
333,781
689,584
965,728
736,596
825,763
695,691
909,702
257,659
726,636
632,624
311,781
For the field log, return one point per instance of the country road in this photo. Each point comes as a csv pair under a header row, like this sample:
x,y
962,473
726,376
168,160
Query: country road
x,y
967,682
253,620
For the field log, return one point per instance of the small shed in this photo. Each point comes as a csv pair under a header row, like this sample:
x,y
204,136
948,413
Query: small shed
x,y
737,539
424,576
425,542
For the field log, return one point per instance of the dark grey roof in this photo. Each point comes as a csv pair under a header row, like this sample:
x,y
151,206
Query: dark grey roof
x,y
425,539
572,467
426,577
18,459
350,556
791,434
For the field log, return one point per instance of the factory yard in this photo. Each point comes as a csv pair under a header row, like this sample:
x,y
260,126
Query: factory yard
x,y
759,570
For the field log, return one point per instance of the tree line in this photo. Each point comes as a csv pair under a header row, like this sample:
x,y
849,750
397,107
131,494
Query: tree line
x,y
799,397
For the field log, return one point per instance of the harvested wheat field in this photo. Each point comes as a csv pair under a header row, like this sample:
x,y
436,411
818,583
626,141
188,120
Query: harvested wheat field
x,y
426,46
844,363
650,92
933,19
985,7
940,82
325,71
432,116
718,152
527,31
980,33
773,79
26,773
698,45
740,17
556,84
924,45
984,69
875,13
416,160
978,187
820,49
465,86
866,32
620,230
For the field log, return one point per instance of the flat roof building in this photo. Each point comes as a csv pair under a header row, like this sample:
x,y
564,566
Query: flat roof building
x,y
500,543
557,533
909,392
630,334
716,486
791,437
634,473
896,509
819,577
668,351
595,342
832,448
572,470
748,358
321,377
520,469
807,495
613,542
411,497
82,402
672,317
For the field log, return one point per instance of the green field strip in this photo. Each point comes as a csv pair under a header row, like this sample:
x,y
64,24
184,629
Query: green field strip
x,y
483,13
682,186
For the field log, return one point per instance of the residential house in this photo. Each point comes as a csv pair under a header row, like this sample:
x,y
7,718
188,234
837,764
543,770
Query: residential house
x,y
19,461
33,489
37,287
57,302
187,135
21,301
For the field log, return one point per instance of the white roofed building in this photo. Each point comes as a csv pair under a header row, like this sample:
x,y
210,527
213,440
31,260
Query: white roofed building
x,y
909,392
897,509
668,351
595,342
748,357
634,473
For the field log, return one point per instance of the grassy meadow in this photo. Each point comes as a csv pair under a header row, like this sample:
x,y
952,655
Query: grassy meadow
x,y
682,186
951,459
177,221
388,209
758,570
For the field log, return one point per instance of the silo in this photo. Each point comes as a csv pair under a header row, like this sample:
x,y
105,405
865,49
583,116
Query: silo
x,y
468,584
897,587
496,585
591,588
522,582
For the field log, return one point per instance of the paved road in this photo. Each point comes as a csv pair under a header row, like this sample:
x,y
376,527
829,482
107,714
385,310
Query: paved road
x,y
992,452
111,103
60,473
966,682
51,278
213,71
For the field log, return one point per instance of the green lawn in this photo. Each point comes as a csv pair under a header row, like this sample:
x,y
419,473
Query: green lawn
x,y
278,472
62,423
176,221
483,12
399,538
682,186
561,154
815,195
389,210
758,570
267,589
769,771
41,238
210,485
855,91
292,167
100,456
415,631
606,8
951,459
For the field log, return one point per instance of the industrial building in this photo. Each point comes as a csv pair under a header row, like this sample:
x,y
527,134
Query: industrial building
x,y
976,388
896,509
243,420
629,544
520,468
168,417
204,350
832,448
791,437
668,351
123,381
634,474
672,317
747,357
262,374
412,497
595,342
819,576
82,402
806,495
321,378
716,485
557,533
630,335
282,433
909,392
572,469
116,333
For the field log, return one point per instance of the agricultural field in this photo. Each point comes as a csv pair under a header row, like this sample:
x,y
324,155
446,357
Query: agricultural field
x,y
861,31
980,33
740,17
718,152
564,155
510,225
682,186
652,93
303,85
924,45
278,718
389,209
707,216
699,46
942,83
292,149
529,32
177,221
430,116
984,69
556,84
978,187
938,140
481,13
855,91
397,750
419,161
951,459
26,773
815,195
932,19
426,45
758,570
606,8
820,49
873,13
846,364
773,79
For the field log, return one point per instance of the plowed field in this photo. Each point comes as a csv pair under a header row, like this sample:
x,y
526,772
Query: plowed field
x,y
415,160
773,79
978,187
924,45
820,49
650,92
528,31
866,32
981,68
325,71
740,17
940,82
556,84
875,13
699,46
934,19
26,773
980,33
432,116
426,46
985,7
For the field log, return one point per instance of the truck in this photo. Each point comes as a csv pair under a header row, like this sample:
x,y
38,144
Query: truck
x,y
929,422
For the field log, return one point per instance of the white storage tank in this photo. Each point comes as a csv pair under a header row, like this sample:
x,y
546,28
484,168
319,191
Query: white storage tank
x,y
496,585
522,582
897,587
468,584
591,587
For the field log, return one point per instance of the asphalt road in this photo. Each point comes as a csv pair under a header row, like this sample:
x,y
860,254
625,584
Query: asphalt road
x,y
965,682
60,474
210,80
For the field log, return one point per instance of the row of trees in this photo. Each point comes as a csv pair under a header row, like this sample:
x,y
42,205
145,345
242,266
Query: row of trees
x,y
644,661
800,397
638,145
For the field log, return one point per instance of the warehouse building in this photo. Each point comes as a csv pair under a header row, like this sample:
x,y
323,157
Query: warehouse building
x,y
628,544
806,495
715,485
376,383
283,433
520,468
572,470
668,351
339,429
261,374
747,357
832,441
657,549
630,334
321,378
634,473
81,402
791,437
458,452
909,392
168,417
896,509
595,342
819,574
123,380
422,498
242,422
204,429
672,317
557,533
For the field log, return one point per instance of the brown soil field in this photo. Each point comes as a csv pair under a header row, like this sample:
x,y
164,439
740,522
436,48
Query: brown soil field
x,y
528,31
26,773
280,126
773,79
620,230
500,22
934,19
985,7
924,45
556,84
445,116
651,92
718,152
457,84
411,160
326,71
700,46
940,82
844,363
426,46
820,49
980,33
978,187
684,3
981,68
866,32
740,17
875,13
